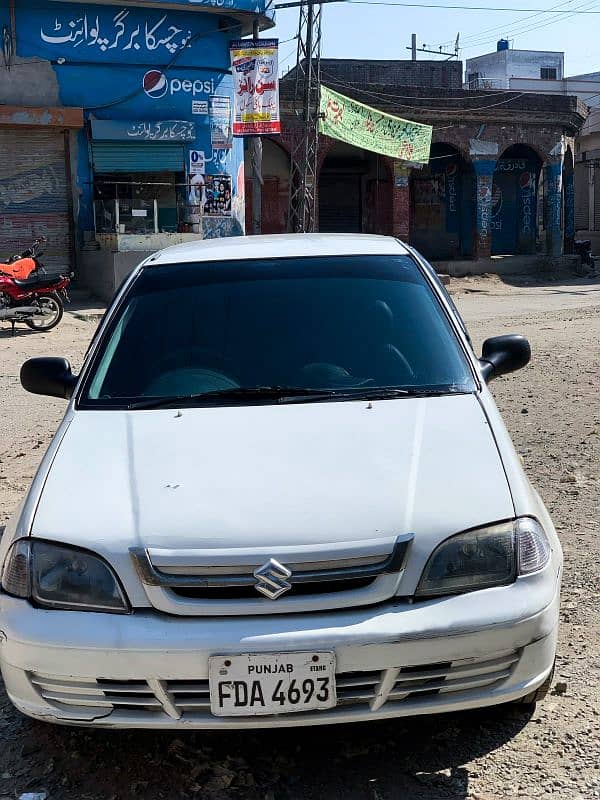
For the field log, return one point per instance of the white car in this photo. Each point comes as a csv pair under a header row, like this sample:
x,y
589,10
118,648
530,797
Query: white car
x,y
281,495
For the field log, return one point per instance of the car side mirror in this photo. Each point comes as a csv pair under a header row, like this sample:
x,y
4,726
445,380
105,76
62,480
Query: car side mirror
x,y
48,376
503,354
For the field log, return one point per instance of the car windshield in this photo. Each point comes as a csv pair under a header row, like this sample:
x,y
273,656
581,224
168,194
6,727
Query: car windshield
x,y
275,329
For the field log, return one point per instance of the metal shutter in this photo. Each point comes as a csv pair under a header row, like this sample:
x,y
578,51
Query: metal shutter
x,y
33,194
138,157
340,203
596,198
582,197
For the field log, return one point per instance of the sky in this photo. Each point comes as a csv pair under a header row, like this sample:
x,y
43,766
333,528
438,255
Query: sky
x,y
352,30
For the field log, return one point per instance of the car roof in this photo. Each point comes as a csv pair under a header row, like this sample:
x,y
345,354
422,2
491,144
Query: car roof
x,y
293,245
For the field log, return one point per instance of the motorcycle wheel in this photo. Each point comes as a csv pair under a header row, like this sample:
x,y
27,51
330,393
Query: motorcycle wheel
x,y
52,304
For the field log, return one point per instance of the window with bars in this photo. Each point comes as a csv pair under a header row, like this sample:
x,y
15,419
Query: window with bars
x,y
548,73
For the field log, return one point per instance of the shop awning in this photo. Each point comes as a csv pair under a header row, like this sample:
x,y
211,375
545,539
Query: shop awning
x,y
47,117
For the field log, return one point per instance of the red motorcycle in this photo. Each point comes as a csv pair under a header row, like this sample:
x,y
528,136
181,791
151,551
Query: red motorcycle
x,y
29,294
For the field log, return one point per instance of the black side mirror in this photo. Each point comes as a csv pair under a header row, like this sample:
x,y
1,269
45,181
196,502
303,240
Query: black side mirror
x,y
49,376
503,354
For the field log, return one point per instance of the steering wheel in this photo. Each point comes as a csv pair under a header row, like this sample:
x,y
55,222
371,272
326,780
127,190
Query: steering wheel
x,y
198,357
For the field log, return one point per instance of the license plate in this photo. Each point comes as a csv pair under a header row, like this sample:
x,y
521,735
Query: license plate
x,y
271,683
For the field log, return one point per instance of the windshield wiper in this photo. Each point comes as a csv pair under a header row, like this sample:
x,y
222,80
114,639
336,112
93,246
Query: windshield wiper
x,y
290,394
278,393
389,392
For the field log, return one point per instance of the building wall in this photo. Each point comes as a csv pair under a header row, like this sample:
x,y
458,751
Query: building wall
x,y
587,90
587,180
397,73
500,67
275,189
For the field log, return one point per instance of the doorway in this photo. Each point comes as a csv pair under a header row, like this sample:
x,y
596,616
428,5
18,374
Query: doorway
x,y
355,192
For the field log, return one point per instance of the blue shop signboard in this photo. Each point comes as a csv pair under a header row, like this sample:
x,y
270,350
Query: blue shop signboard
x,y
147,75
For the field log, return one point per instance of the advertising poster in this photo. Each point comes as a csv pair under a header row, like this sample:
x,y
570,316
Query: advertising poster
x,y
255,87
217,195
197,162
220,122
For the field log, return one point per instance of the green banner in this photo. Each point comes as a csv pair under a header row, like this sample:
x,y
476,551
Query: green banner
x,y
344,119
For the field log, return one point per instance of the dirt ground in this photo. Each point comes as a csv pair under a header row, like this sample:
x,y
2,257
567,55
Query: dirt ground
x,y
553,413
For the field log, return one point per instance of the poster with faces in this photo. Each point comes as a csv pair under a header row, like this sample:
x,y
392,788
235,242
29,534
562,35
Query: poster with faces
x,y
217,195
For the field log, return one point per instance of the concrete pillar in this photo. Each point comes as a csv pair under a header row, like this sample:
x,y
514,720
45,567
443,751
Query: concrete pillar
x,y
553,207
401,203
484,179
569,182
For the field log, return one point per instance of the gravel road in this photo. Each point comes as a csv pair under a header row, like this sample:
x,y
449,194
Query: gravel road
x,y
553,413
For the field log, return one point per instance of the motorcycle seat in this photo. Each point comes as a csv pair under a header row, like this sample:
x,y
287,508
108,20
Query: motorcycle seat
x,y
37,282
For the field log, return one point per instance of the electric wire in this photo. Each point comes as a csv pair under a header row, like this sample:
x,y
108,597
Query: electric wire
x,y
506,29
472,95
286,58
439,6
539,26
384,95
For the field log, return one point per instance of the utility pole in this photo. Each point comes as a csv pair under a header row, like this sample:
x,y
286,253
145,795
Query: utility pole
x,y
256,149
303,173
413,45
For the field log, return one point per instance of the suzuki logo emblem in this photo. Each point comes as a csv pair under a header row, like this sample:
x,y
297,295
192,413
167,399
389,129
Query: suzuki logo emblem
x,y
272,579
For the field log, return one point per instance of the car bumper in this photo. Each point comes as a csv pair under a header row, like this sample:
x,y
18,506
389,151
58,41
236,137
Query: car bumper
x,y
148,670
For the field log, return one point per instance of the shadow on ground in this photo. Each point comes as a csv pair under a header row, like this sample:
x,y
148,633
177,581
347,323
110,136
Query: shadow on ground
x,y
20,330
565,281
418,759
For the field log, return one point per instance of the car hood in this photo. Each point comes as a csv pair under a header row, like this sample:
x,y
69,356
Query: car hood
x,y
274,476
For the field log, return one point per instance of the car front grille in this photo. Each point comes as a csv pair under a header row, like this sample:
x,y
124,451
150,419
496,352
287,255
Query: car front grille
x,y
189,698
313,578
249,592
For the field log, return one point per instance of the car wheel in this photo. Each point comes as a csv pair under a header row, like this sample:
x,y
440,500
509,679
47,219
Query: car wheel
x,y
538,694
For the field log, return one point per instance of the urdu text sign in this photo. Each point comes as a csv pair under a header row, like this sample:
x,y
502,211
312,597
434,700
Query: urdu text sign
x,y
359,125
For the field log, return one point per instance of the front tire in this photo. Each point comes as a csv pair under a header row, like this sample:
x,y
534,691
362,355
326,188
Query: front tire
x,y
54,306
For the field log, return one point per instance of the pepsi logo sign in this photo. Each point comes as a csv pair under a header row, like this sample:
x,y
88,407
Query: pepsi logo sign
x,y
155,84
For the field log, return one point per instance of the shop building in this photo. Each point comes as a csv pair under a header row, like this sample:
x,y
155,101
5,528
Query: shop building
x,y
499,180
115,128
542,72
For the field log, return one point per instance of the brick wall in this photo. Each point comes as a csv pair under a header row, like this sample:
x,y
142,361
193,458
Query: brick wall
x,y
441,74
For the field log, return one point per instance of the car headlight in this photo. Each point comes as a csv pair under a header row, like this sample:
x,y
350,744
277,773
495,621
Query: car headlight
x,y
58,576
490,556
